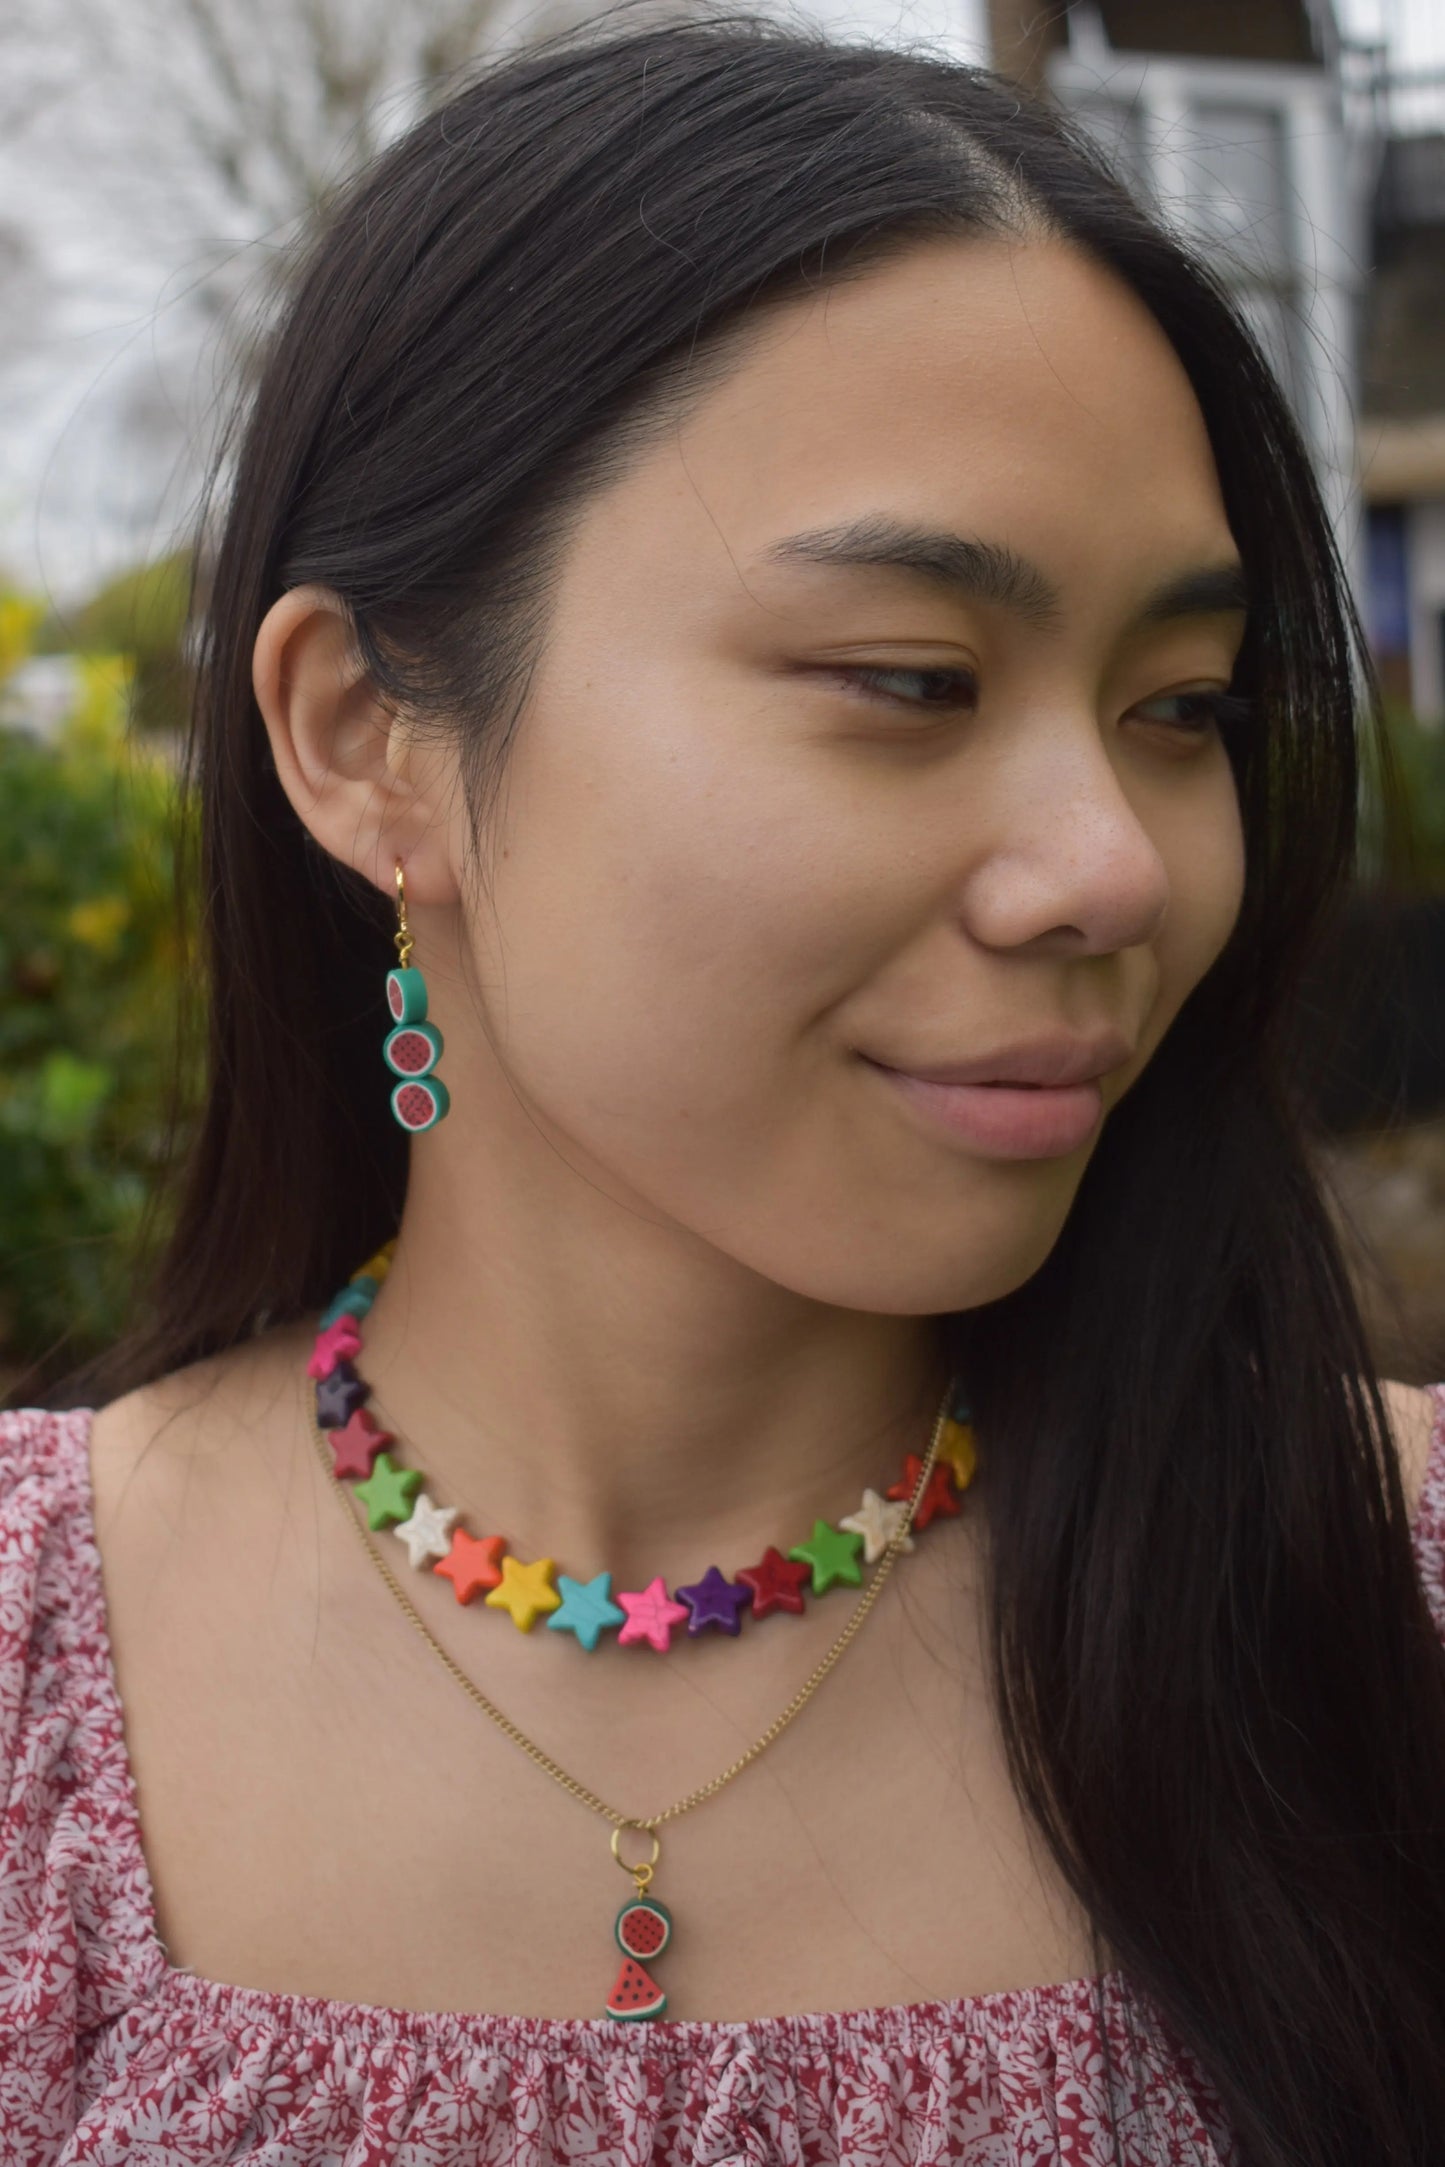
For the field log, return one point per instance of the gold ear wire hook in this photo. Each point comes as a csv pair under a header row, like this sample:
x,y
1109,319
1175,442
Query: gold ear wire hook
x,y
404,941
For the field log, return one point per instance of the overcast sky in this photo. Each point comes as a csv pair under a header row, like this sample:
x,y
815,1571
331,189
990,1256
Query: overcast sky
x,y
1415,28
98,346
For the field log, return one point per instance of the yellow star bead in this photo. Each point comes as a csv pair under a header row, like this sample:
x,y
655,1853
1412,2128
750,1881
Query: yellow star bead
x,y
957,1448
525,1590
378,1266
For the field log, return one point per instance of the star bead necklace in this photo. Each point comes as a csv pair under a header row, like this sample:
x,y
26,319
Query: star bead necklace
x,y
832,1556
643,1926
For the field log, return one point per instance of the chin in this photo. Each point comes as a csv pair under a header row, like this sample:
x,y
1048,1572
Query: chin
x,y
954,1264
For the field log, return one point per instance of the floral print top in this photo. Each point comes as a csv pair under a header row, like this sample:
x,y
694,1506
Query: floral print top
x,y
109,2053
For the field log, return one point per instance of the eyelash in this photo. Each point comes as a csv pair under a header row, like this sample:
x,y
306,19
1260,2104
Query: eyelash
x,y
1213,710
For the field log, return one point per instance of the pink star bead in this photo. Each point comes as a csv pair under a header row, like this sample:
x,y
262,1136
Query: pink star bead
x,y
338,1343
651,1616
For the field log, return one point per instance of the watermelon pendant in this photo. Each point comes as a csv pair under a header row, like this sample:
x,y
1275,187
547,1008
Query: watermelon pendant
x,y
643,1929
634,1995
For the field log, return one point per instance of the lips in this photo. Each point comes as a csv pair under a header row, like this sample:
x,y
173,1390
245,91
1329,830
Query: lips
x,y
1046,1060
1003,1121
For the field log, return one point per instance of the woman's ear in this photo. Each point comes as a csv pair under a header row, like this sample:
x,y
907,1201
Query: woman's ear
x,y
366,787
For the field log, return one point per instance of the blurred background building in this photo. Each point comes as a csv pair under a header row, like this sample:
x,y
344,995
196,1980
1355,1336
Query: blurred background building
x,y
1402,434
1310,165
157,157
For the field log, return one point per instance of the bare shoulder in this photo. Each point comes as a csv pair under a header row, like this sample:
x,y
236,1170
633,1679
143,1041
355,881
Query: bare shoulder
x,y
216,1423
1411,1409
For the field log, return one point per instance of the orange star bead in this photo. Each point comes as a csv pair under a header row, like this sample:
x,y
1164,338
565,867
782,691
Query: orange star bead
x,y
939,1496
471,1564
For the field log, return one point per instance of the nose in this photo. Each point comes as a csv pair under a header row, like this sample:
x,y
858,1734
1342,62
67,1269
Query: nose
x,y
1073,868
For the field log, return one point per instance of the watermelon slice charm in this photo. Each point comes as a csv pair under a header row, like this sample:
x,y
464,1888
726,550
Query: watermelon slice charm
x,y
642,1930
635,1994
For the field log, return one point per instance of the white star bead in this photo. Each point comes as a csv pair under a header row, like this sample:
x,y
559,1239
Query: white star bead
x,y
877,1520
428,1533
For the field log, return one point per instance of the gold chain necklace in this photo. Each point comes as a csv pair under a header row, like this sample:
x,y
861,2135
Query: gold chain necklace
x,y
644,1926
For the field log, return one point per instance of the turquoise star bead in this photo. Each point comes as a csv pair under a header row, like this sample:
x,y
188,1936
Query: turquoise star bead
x,y
833,1556
587,1608
354,1300
388,1491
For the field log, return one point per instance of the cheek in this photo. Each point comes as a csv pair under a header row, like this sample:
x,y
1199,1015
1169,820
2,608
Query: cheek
x,y
673,922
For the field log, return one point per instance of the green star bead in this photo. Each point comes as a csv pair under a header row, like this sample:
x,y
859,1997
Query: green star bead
x,y
388,1491
832,1554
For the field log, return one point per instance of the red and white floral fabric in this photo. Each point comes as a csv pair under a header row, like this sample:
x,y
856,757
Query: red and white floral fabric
x,y
110,2054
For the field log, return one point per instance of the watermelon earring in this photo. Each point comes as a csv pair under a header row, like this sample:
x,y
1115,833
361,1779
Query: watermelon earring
x,y
414,1046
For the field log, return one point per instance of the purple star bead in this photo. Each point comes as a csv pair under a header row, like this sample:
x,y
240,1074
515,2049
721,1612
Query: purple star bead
x,y
338,1396
715,1602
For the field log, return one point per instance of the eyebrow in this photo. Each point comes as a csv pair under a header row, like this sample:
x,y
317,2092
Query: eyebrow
x,y
981,571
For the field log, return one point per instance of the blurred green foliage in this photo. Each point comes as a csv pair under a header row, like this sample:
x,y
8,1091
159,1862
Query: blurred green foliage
x,y
1420,755
89,971
141,614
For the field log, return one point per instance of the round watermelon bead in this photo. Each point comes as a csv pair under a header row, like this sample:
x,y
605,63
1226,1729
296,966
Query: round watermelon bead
x,y
643,1928
420,1103
406,995
412,1049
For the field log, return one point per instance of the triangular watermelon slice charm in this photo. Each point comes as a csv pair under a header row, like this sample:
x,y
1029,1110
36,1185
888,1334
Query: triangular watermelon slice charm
x,y
635,1994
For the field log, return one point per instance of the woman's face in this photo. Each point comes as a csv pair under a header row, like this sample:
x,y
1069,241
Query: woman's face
x,y
874,734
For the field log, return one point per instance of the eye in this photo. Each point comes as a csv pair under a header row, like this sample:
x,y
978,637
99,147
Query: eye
x,y
943,691
1195,711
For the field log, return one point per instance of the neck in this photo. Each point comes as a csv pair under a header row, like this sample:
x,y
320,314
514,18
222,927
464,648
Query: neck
x,y
605,1388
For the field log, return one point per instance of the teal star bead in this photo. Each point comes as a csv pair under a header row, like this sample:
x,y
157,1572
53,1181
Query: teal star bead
x,y
832,1554
388,1491
587,1608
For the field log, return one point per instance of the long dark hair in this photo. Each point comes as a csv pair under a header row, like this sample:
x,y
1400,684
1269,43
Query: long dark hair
x,y
1220,1692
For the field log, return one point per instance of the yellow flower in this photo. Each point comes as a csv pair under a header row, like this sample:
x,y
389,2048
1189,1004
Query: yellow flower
x,y
100,922
18,619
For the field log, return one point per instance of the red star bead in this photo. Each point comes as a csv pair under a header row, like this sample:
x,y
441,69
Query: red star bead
x,y
356,1442
939,1496
776,1582
472,1565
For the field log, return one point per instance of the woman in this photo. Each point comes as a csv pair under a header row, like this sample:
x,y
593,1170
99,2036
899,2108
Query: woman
x,y
775,728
